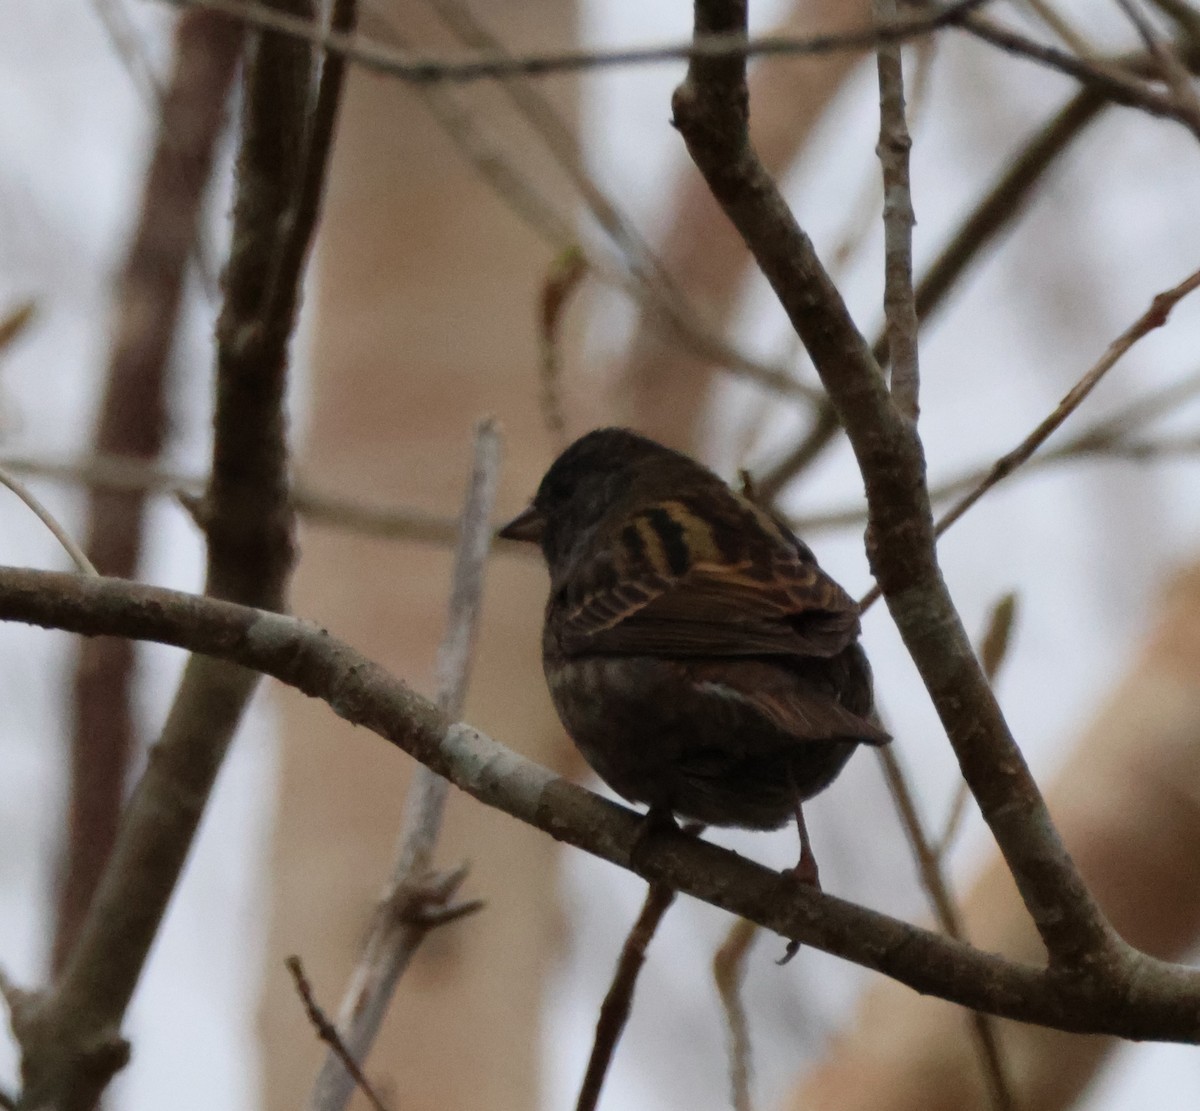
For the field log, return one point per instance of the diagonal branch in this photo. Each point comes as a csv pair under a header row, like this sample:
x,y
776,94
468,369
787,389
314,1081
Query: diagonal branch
x,y
34,505
1113,82
1132,996
712,113
1154,317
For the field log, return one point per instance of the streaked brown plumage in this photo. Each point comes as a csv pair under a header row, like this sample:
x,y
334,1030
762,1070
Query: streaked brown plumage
x,y
697,655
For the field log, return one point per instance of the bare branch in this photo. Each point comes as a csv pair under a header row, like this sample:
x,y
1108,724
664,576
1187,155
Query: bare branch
x,y
1055,21
614,1011
48,519
1133,996
1110,80
1174,72
995,211
109,472
418,69
132,422
417,899
1154,317
711,112
327,1032
1106,438
993,651
949,917
898,219
729,969
70,1042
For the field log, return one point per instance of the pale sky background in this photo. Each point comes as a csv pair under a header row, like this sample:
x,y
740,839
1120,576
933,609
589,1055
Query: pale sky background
x,y
1087,546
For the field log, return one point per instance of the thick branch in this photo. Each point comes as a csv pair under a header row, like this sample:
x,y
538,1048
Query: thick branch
x,y
70,1036
712,113
1135,997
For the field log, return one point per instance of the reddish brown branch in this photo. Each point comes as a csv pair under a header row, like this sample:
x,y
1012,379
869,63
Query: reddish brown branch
x,y
327,1032
132,423
614,1011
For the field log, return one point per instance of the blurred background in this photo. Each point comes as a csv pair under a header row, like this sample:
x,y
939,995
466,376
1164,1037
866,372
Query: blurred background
x,y
449,210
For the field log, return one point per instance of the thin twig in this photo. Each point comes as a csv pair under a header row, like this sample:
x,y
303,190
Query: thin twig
x,y
1056,22
1154,317
729,970
417,899
1174,72
47,518
384,522
995,211
614,1011
327,1032
422,69
929,867
1114,83
1105,438
898,220
993,651
864,211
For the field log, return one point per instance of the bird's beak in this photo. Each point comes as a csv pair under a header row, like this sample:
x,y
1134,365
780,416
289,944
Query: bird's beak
x,y
527,526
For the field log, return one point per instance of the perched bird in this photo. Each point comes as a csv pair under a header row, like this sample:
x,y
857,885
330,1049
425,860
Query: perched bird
x,y
697,655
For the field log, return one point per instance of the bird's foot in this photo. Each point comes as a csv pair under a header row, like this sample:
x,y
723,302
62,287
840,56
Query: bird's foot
x,y
804,872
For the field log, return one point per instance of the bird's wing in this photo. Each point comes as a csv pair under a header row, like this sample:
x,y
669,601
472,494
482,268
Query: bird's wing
x,y
799,705
693,599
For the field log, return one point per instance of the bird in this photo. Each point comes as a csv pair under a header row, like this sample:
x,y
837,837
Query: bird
x,y
696,654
